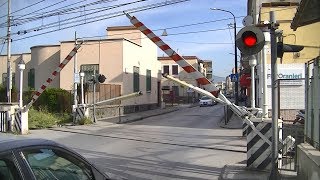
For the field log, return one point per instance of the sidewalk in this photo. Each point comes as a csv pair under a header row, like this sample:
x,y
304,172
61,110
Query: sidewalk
x,y
127,118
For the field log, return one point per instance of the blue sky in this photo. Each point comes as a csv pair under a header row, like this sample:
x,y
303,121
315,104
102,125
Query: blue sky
x,y
207,45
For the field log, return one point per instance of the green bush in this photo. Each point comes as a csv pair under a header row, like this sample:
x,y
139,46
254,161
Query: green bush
x,y
44,119
85,120
54,100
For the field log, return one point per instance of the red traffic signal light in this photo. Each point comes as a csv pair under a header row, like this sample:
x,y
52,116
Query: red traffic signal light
x,y
249,38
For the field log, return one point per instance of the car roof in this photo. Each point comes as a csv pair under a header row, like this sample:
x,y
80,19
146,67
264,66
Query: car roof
x,y
8,144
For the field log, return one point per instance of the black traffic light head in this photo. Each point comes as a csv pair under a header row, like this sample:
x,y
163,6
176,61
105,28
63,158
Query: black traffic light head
x,y
282,48
101,78
250,40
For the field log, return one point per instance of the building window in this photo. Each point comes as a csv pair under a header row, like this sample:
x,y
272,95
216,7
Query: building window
x,y
174,69
175,90
4,79
136,79
165,88
148,80
31,78
89,70
165,69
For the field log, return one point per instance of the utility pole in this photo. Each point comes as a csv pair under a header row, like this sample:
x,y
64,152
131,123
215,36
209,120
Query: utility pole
x,y
75,74
274,87
9,74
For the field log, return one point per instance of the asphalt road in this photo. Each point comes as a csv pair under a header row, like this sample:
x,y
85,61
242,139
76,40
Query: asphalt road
x,y
185,144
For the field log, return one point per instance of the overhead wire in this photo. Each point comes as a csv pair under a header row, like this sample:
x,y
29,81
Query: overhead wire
x,y
113,15
3,3
55,12
23,8
60,23
61,12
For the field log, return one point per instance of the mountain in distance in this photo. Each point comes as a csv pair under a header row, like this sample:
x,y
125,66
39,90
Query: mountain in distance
x,y
216,79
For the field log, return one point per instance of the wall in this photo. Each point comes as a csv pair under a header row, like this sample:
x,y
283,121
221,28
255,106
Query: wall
x,y
144,57
3,65
26,57
106,53
44,59
182,75
308,162
303,36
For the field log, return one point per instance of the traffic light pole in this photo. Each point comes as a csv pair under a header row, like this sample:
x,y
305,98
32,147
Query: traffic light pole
x,y
274,87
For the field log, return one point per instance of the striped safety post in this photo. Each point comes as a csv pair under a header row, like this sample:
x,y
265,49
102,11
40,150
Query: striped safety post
x,y
244,128
53,75
204,82
17,125
258,150
80,112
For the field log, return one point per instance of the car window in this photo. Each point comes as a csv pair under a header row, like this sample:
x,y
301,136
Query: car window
x,y
55,164
8,170
205,98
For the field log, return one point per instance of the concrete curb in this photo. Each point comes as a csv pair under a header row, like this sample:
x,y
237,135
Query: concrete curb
x,y
138,118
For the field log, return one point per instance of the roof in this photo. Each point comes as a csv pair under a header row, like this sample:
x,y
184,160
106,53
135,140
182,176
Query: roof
x,y
185,57
307,13
14,143
119,28
39,46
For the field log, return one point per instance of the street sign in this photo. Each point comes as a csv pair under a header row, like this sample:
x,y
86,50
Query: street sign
x,y
77,78
234,77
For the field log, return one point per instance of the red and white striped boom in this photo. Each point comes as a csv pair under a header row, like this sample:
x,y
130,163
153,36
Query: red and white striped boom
x,y
204,82
53,76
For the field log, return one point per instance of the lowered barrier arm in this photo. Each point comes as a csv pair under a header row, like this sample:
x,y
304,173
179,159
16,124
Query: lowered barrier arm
x,y
239,111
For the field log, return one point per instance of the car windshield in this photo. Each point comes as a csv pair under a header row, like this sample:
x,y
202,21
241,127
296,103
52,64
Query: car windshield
x,y
205,98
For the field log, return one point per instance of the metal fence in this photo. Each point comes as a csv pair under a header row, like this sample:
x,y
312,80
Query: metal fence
x,y
312,116
292,135
3,121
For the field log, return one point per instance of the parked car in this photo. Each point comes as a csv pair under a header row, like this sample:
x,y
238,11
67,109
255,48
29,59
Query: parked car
x,y
206,101
39,159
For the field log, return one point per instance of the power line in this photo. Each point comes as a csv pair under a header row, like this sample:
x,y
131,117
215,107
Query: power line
x,y
61,12
55,12
58,23
2,47
3,4
113,15
24,8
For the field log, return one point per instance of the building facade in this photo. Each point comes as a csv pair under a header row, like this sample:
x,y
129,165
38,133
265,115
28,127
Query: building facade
x,y
126,57
284,12
173,92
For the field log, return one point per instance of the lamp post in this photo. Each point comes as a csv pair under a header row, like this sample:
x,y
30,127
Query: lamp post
x,y
82,91
21,67
235,50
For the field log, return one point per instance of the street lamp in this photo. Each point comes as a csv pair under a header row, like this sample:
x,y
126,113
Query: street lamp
x,y
21,66
235,50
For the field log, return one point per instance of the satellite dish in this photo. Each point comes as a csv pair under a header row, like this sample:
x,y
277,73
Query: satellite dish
x,y
247,21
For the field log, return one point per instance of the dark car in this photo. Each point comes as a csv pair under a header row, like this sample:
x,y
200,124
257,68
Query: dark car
x,y
39,159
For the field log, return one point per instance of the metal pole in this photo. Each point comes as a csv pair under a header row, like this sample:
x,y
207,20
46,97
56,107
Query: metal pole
x,y
82,90
94,94
9,74
235,60
274,86
21,88
264,75
75,70
253,63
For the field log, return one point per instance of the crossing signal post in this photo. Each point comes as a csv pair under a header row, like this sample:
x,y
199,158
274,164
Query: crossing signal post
x,y
250,40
